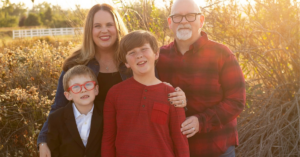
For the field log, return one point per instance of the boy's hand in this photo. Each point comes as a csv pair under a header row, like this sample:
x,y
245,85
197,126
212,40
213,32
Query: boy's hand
x,y
177,98
190,126
44,150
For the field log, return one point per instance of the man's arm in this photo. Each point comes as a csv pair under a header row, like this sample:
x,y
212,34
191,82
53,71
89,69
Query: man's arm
x,y
180,142
60,101
53,141
109,126
234,97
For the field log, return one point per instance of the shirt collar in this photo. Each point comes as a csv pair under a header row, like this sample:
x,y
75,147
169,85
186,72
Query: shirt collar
x,y
77,113
196,45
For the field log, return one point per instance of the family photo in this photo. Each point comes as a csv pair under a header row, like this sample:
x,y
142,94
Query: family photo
x,y
150,78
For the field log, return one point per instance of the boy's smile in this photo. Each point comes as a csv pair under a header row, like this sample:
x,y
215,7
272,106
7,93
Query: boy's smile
x,y
142,63
141,59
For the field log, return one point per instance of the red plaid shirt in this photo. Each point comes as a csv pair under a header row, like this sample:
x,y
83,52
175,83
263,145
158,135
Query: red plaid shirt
x,y
139,122
214,85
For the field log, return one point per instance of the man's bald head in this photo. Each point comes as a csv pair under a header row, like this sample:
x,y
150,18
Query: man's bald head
x,y
179,3
188,21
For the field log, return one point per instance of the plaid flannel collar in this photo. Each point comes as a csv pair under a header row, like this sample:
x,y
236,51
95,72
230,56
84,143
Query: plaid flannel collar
x,y
196,45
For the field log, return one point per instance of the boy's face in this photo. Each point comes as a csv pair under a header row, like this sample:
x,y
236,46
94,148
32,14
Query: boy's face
x,y
141,59
84,97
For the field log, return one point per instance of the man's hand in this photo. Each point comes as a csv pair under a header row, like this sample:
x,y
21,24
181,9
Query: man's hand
x,y
44,150
190,126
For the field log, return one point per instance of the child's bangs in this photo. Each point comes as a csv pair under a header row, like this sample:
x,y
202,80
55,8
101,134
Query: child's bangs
x,y
134,42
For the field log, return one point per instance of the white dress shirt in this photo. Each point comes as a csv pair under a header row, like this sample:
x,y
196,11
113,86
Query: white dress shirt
x,y
83,123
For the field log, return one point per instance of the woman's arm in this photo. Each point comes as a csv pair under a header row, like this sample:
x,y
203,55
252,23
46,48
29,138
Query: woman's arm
x,y
44,150
60,101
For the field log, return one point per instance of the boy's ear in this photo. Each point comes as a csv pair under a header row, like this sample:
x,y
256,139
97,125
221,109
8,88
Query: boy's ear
x,y
68,96
157,55
127,65
96,90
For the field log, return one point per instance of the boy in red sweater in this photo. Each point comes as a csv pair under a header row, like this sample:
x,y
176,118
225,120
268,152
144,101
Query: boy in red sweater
x,y
138,120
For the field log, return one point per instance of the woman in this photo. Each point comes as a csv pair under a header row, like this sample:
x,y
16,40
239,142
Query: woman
x,y
102,32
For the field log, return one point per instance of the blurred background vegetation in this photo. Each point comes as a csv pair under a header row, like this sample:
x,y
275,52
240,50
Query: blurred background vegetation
x,y
44,14
263,34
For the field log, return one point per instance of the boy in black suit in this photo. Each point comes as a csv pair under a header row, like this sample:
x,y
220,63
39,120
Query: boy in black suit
x,y
74,129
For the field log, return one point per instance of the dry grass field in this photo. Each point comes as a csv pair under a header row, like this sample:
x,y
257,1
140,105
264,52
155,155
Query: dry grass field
x,y
265,38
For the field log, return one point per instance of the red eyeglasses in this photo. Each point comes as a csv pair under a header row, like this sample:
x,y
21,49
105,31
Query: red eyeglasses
x,y
76,88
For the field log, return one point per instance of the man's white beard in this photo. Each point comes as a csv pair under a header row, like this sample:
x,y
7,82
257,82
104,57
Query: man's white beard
x,y
184,34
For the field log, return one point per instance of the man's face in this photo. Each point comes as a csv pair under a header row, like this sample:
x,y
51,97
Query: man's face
x,y
185,30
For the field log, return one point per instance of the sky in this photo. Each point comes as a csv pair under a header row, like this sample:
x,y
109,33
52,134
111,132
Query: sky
x,y
70,4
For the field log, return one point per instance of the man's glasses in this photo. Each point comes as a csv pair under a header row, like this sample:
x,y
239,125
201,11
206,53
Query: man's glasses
x,y
191,17
76,88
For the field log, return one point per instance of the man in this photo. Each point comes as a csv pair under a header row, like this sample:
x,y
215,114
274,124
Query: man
x,y
211,78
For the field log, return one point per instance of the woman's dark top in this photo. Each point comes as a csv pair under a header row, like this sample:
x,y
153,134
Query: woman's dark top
x,y
106,81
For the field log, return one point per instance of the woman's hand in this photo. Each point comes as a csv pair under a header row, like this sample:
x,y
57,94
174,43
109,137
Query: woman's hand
x,y
44,150
177,98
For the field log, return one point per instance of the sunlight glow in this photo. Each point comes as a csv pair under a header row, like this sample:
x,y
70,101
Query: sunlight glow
x,y
70,4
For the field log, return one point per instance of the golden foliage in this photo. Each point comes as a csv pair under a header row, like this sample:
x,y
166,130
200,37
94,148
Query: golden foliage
x,y
29,71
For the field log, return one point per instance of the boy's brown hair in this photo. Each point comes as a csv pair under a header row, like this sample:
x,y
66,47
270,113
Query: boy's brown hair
x,y
78,70
136,39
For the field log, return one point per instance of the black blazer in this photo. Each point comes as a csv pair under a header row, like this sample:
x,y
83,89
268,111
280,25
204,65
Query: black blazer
x,y
63,137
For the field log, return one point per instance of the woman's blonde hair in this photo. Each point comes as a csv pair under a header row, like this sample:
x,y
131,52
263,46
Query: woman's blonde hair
x,y
87,51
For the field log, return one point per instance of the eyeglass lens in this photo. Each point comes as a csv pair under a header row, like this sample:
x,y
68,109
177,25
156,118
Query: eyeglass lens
x,y
87,86
188,17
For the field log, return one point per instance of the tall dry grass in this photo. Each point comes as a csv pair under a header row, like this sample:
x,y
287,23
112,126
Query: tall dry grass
x,y
266,40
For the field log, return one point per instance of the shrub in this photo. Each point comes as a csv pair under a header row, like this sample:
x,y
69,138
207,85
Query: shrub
x,y
28,78
33,20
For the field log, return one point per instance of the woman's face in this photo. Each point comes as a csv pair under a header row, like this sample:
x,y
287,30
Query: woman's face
x,y
104,30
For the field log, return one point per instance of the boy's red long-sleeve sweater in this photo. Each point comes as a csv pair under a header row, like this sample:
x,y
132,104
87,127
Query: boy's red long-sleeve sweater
x,y
138,121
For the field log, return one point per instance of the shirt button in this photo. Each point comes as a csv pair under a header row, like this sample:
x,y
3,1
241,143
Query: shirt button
x,y
146,90
143,105
84,122
144,97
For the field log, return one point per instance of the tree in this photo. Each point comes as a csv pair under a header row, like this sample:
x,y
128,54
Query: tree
x,y
48,14
46,17
10,13
8,21
22,21
33,20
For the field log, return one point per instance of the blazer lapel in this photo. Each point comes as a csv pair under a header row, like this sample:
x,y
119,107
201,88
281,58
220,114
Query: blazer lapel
x,y
96,125
71,124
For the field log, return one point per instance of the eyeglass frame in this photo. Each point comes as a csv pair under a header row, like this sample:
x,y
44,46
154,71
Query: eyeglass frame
x,y
70,88
184,16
